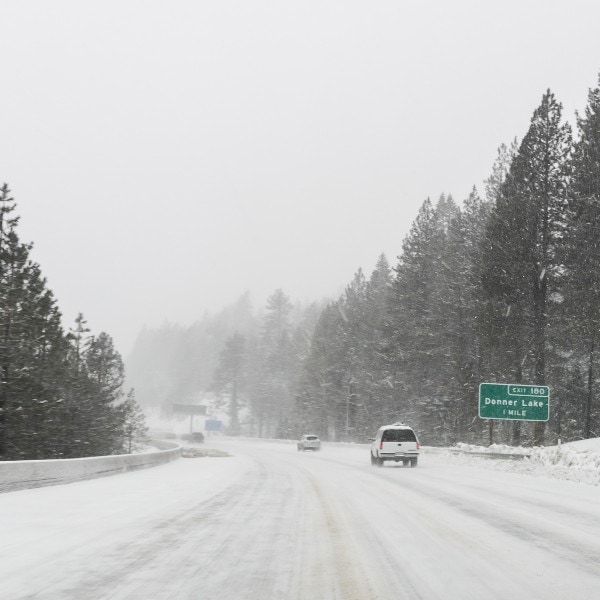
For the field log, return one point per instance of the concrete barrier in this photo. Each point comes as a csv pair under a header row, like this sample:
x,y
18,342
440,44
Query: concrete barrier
x,y
24,474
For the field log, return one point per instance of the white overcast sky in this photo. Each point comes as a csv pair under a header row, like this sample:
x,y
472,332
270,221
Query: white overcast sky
x,y
167,156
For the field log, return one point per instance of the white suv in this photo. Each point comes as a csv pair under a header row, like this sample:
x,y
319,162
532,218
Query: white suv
x,y
396,442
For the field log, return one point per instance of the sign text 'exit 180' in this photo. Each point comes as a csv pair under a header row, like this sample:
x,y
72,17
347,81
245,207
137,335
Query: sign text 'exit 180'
x,y
514,401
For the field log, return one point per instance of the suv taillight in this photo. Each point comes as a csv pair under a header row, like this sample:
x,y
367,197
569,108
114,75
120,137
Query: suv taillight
x,y
418,446
381,445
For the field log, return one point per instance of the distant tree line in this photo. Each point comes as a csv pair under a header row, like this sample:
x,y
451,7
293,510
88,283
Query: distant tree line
x,y
60,392
241,361
259,374
502,288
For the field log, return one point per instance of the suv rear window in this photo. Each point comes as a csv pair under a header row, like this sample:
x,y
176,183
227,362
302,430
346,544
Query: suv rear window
x,y
398,435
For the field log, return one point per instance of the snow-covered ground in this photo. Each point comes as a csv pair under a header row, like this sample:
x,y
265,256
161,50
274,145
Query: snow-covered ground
x,y
269,522
574,461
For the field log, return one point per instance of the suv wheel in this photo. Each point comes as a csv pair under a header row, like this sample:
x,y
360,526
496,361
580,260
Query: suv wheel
x,y
413,462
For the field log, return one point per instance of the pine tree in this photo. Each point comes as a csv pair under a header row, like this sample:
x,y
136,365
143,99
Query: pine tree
x,y
78,394
93,393
230,378
526,226
105,374
321,386
306,321
58,393
7,224
418,323
462,302
582,253
377,398
352,308
500,168
32,349
272,397
133,421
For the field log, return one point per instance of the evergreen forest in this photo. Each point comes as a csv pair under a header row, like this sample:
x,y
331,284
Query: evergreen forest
x,y
501,287
61,392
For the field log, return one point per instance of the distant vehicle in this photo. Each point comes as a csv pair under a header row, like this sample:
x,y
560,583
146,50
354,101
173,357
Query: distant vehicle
x,y
397,442
309,442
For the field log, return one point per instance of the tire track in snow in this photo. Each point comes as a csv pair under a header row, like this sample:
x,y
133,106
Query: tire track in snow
x,y
350,582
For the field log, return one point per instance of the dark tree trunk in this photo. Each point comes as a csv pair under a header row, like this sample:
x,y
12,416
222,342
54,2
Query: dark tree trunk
x,y
540,292
590,395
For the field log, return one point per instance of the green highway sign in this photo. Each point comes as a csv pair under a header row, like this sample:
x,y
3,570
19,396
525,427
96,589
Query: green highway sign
x,y
514,401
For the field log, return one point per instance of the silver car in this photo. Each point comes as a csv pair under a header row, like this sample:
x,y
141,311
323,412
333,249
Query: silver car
x,y
309,442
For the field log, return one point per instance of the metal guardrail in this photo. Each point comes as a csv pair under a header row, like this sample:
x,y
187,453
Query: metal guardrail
x,y
25,474
492,455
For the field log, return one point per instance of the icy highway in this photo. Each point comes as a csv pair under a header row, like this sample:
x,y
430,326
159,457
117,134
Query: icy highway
x,y
271,523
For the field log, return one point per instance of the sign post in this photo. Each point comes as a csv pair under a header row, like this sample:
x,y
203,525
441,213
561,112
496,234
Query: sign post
x,y
190,409
514,401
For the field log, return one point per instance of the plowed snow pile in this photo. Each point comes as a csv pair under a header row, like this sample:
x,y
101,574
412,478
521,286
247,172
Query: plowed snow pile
x,y
574,461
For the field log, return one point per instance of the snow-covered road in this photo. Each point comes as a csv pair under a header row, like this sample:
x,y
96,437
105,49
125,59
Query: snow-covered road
x,y
270,523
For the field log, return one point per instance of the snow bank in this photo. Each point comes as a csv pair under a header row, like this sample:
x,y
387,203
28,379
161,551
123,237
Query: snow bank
x,y
494,449
575,461
23,474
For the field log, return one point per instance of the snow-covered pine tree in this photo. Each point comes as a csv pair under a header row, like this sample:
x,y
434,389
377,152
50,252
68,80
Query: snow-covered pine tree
x,y
32,349
272,400
525,230
230,379
417,322
106,374
581,286
133,422
324,371
377,395
461,302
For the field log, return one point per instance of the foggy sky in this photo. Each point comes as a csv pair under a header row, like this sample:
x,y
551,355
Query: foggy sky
x,y
168,156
